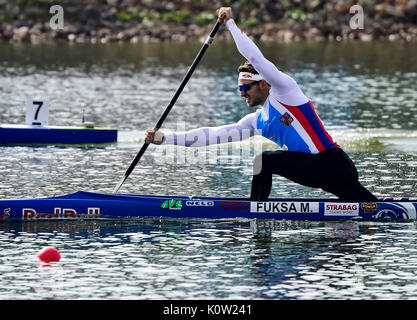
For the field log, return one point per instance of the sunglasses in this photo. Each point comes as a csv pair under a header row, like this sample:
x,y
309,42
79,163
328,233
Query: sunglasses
x,y
246,87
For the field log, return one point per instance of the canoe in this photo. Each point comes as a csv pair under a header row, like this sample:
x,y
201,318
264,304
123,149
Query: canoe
x,y
93,205
12,134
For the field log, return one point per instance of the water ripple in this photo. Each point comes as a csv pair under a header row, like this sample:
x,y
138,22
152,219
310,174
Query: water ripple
x,y
367,103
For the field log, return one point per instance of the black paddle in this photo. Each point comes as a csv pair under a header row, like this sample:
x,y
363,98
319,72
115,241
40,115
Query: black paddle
x,y
158,125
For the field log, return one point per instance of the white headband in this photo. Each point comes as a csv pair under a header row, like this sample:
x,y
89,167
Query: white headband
x,y
250,76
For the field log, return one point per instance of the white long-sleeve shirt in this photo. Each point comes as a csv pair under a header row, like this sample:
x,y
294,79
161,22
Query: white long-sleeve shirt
x,y
287,117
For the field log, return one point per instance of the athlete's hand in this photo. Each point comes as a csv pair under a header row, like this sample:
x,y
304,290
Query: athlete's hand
x,y
156,137
226,12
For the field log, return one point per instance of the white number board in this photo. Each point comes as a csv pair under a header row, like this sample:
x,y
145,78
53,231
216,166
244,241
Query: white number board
x,y
37,112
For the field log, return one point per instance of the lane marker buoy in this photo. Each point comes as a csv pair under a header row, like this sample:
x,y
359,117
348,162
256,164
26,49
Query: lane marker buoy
x,y
49,254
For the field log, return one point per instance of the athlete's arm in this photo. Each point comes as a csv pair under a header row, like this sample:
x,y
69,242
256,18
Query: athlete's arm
x,y
200,137
279,81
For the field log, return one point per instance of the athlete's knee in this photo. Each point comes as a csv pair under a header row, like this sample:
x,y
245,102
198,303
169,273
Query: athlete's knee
x,y
257,164
265,161
260,163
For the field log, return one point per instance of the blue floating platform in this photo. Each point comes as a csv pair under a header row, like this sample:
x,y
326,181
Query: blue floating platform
x,y
12,134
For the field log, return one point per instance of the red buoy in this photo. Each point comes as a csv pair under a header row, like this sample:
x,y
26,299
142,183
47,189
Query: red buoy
x,y
49,254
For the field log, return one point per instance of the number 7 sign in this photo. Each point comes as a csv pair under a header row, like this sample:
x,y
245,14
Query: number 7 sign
x,y
37,112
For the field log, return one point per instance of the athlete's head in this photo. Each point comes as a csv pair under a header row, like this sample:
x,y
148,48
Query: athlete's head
x,y
251,85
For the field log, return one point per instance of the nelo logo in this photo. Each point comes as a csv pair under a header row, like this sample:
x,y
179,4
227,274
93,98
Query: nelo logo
x,y
199,203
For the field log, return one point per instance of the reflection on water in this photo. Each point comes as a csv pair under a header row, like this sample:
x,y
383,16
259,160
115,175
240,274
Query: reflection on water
x,y
355,85
365,93
195,259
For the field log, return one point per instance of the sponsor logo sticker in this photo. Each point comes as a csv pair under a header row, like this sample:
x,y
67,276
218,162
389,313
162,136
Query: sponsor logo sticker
x,y
369,207
5,214
172,204
284,207
341,209
199,203
59,213
236,205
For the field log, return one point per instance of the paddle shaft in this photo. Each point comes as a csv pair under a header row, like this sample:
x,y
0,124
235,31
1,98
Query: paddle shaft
x,y
173,100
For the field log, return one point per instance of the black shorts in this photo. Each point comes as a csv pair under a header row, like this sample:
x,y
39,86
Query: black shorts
x,y
331,170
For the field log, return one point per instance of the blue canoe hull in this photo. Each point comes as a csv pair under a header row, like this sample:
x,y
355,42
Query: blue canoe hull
x,y
91,205
26,134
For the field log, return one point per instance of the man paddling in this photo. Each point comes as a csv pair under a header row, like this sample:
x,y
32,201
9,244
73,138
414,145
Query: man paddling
x,y
309,157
